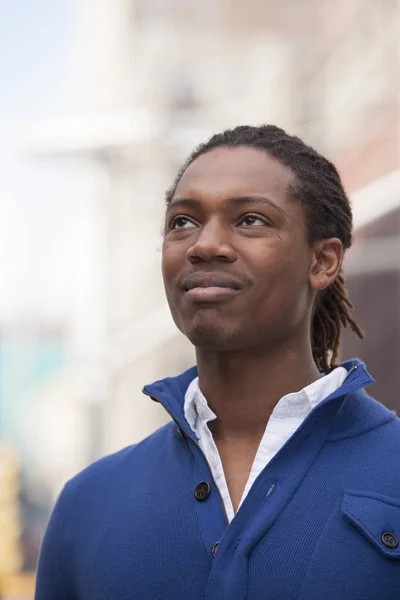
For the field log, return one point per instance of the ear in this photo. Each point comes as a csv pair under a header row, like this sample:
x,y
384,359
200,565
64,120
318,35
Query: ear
x,y
326,261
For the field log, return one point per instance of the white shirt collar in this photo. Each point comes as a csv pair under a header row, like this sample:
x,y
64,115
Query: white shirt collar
x,y
299,403
285,419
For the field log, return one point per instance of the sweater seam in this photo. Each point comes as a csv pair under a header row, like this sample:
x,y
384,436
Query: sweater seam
x,y
378,498
340,438
297,487
288,503
311,558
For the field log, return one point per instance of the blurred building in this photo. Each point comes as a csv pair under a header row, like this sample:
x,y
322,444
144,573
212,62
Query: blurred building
x,y
31,354
154,77
360,130
10,531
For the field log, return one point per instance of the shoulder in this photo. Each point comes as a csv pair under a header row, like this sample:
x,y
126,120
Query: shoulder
x,y
113,471
360,414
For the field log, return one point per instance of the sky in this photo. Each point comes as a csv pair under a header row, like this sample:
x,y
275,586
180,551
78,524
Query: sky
x,y
35,45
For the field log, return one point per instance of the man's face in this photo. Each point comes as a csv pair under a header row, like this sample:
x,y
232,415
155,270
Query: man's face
x,y
235,254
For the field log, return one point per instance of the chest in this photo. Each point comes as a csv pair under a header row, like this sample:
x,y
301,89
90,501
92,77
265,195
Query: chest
x,y
305,555
237,460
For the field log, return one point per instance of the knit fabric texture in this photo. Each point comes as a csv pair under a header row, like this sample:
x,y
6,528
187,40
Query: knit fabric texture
x,y
321,521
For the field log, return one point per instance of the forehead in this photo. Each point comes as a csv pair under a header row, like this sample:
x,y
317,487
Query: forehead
x,y
237,171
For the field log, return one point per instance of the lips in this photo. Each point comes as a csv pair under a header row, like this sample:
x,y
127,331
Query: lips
x,y
210,281
210,288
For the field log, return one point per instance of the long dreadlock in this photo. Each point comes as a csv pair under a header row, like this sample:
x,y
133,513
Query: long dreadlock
x,y
319,188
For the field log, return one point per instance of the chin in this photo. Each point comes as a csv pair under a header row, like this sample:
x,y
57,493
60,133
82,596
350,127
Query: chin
x,y
212,335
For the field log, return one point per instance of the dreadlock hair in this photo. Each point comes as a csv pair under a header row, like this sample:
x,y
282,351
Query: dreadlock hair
x,y
317,185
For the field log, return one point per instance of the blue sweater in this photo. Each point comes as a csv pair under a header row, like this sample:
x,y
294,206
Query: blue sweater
x,y
322,521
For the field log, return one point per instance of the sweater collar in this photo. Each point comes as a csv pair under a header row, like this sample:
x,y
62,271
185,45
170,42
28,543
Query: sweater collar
x,y
296,404
170,392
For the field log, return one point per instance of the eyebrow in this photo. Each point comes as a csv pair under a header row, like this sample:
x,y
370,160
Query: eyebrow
x,y
236,200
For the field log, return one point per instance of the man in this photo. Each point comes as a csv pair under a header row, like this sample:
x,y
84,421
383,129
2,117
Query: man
x,y
278,477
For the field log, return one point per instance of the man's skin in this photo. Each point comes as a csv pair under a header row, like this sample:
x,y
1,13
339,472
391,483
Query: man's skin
x,y
252,344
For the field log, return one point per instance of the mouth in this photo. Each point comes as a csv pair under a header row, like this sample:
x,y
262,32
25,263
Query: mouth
x,y
210,294
210,288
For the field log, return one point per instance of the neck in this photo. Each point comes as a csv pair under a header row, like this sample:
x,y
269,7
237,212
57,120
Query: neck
x,y
243,387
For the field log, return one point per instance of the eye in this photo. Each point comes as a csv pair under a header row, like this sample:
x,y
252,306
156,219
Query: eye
x,y
182,223
252,221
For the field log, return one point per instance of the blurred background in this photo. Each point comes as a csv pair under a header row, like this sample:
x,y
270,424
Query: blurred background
x,y
100,102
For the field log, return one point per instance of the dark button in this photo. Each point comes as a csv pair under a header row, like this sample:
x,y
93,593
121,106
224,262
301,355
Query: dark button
x,y
202,490
214,549
390,540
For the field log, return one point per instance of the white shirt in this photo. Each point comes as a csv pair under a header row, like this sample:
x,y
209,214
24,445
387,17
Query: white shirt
x,y
286,418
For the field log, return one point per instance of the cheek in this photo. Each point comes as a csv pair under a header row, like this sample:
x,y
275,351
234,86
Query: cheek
x,y
283,273
172,260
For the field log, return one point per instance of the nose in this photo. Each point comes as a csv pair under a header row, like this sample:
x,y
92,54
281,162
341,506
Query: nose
x,y
212,244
